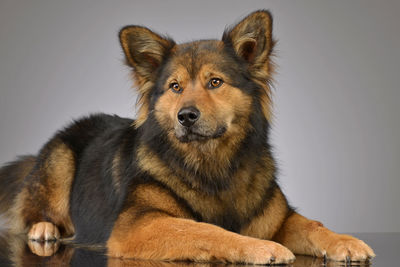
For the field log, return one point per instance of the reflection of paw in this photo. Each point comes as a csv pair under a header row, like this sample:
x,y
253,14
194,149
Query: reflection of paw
x,y
44,249
310,261
44,231
348,248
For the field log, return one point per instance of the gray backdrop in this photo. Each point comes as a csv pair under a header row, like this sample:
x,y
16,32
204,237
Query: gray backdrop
x,y
336,128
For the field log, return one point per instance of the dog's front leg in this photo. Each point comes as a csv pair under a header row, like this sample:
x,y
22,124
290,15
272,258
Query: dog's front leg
x,y
158,237
307,237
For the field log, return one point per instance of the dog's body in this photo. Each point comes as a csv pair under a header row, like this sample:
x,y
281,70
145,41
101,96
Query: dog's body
x,y
192,178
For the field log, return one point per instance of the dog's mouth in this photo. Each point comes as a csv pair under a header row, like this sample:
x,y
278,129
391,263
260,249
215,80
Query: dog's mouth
x,y
187,134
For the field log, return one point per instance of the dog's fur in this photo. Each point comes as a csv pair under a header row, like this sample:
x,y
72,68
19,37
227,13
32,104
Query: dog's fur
x,y
199,186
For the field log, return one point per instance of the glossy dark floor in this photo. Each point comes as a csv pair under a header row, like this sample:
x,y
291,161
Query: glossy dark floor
x,y
14,251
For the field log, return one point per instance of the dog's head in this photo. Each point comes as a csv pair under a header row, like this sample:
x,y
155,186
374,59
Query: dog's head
x,y
203,92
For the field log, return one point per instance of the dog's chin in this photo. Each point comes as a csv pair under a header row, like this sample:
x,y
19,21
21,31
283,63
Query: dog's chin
x,y
187,135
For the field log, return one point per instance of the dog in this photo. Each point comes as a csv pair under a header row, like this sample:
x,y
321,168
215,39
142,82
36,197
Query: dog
x,y
192,178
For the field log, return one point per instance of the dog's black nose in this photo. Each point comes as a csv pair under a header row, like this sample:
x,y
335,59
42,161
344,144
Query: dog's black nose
x,y
188,116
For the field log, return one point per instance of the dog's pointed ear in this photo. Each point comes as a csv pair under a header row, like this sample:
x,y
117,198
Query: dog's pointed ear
x,y
251,38
144,50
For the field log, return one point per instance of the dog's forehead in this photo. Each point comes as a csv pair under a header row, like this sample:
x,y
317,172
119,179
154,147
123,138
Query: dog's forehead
x,y
200,46
192,56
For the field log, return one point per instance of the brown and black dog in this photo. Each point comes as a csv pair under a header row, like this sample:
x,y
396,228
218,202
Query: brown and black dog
x,y
192,178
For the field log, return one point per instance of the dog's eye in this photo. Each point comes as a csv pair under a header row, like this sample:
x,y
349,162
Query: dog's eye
x,y
214,83
175,87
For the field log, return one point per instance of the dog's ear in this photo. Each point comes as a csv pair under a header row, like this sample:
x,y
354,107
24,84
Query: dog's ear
x,y
251,39
144,50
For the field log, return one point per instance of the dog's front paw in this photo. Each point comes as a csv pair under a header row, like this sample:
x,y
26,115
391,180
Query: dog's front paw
x,y
265,252
348,248
44,231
